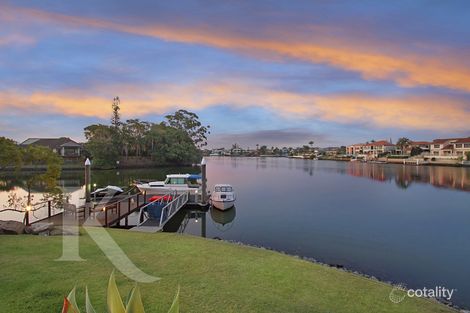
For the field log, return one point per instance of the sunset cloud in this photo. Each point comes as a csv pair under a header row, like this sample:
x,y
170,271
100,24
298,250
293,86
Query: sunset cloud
x,y
410,112
398,65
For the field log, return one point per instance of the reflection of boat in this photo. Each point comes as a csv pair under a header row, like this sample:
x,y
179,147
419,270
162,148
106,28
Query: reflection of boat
x,y
173,182
106,191
223,197
223,217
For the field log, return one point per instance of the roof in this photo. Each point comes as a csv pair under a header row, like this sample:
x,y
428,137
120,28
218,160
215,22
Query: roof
x,y
381,143
52,143
444,140
463,140
421,143
375,143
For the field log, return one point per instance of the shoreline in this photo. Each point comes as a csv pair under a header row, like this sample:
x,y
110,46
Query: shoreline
x,y
80,167
342,268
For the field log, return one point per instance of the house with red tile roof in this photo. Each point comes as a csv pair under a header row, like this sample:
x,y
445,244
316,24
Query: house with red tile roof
x,y
450,147
371,149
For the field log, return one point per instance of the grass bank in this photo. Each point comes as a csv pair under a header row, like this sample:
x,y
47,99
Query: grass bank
x,y
214,277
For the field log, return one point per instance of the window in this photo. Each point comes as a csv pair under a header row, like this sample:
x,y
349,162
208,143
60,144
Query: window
x,y
176,181
467,145
437,146
458,145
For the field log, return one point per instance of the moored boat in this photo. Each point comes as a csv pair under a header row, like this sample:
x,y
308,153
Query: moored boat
x,y
173,183
223,197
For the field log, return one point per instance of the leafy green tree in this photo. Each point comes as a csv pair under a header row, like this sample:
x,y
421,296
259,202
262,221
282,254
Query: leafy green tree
x,y
10,154
137,131
189,122
416,151
101,146
13,155
38,155
468,155
172,145
263,149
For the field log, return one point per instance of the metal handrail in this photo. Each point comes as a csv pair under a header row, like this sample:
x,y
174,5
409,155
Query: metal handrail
x,y
161,200
171,208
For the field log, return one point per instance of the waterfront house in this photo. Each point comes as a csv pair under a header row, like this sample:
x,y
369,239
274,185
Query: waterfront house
x,y
355,149
462,147
371,149
64,146
449,147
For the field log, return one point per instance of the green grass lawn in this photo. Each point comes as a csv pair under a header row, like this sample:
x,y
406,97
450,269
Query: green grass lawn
x,y
214,276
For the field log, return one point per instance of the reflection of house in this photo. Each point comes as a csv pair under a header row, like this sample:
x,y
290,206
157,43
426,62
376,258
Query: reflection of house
x,y
64,146
450,147
373,149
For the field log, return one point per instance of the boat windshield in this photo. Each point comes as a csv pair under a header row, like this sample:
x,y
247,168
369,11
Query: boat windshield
x,y
175,181
223,189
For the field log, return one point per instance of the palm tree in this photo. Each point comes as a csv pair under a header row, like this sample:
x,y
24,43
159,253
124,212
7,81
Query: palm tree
x,y
311,144
403,142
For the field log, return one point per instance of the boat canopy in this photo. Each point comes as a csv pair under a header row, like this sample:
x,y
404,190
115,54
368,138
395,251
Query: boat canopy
x,y
194,176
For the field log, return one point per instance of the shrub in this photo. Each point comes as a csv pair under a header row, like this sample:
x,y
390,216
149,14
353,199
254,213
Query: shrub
x,y
114,301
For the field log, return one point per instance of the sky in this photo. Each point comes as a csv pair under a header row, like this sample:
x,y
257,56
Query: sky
x,y
275,73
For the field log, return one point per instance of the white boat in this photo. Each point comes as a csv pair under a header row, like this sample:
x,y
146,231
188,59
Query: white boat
x,y
223,197
172,183
106,191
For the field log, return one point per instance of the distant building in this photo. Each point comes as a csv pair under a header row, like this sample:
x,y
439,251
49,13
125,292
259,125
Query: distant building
x,y
330,151
371,149
64,146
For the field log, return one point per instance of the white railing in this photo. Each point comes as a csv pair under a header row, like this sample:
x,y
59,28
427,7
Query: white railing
x,y
171,208
162,198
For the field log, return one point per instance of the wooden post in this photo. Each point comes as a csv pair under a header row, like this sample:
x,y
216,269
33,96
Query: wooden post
x,y
49,209
26,217
105,217
204,181
119,213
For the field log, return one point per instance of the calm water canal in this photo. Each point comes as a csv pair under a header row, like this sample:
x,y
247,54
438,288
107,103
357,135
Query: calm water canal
x,y
400,223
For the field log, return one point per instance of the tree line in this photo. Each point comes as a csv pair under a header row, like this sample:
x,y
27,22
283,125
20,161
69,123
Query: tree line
x,y
176,140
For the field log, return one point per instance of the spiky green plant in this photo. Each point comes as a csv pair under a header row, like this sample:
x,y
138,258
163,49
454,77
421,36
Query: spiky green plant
x,y
114,301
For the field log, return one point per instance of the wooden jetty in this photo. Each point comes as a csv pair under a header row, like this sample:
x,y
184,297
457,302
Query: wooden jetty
x,y
114,211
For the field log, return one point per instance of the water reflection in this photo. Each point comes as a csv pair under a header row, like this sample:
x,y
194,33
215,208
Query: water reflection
x,y
405,175
223,220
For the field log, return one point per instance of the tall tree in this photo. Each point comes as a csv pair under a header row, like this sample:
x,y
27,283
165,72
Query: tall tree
x,y
402,143
189,122
116,115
